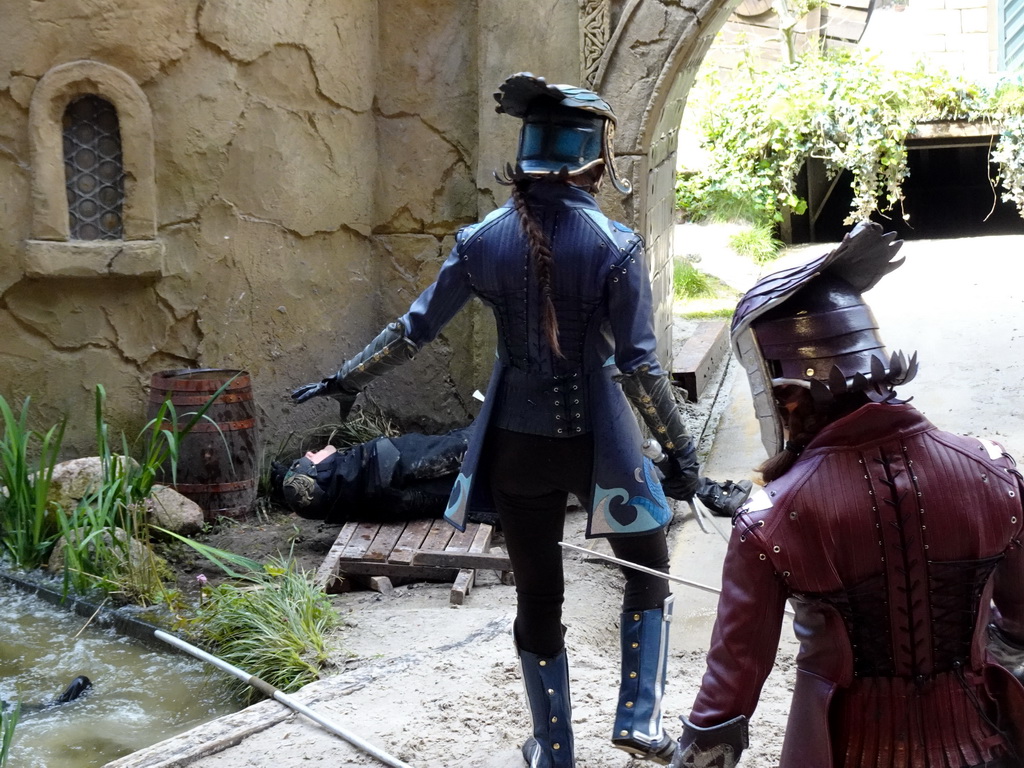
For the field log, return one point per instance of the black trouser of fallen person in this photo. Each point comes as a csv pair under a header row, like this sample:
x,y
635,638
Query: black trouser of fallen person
x,y
389,479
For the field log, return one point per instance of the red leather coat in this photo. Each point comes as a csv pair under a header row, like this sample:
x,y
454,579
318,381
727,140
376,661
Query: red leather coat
x,y
893,539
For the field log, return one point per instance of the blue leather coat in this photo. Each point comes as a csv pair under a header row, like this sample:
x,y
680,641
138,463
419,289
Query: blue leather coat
x,y
602,298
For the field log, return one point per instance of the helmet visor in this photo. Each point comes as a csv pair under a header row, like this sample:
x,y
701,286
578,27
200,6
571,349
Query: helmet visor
x,y
552,140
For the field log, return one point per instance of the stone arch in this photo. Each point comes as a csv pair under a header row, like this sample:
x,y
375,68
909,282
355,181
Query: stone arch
x,y
51,251
648,67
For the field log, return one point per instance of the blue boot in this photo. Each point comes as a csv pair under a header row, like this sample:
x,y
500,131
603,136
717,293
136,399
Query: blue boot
x,y
547,692
644,660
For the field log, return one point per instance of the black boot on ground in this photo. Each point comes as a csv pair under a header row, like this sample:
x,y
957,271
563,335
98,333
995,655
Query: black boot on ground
x,y
723,499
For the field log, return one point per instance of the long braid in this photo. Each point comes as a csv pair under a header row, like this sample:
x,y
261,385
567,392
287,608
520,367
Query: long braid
x,y
542,258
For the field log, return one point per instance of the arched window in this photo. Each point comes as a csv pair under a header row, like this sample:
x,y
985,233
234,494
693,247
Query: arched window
x,y
93,170
93,176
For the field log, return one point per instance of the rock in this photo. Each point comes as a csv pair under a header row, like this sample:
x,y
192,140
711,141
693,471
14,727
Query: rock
x,y
75,479
169,509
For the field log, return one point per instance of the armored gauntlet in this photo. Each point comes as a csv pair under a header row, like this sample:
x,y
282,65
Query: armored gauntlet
x,y
1007,652
652,396
390,349
719,746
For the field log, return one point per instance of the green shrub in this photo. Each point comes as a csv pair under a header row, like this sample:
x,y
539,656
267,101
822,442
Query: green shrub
x,y
107,541
273,625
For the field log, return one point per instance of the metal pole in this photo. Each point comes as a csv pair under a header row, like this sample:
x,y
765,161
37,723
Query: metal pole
x,y
645,569
265,687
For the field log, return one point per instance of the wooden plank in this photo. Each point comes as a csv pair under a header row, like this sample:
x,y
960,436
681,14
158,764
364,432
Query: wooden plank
x,y
700,356
396,571
362,538
385,540
482,539
411,540
380,584
326,575
463,583
449,559
479,545
461,541
439,536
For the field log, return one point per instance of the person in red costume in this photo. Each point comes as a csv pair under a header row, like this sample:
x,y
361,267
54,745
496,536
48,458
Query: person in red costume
x,y
898,544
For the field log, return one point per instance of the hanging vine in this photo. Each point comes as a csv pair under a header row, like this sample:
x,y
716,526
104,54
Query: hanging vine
x,y
849,111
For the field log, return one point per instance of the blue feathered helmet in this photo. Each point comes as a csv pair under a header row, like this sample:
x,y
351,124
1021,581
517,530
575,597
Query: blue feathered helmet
x,y
566,130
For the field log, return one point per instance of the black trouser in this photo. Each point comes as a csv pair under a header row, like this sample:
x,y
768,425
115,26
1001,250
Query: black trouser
x,y
531,477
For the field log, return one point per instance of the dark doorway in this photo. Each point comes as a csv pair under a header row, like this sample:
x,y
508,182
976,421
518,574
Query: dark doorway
x,y
949,193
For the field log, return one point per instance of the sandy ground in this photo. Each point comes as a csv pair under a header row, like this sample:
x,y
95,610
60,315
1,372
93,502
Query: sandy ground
x,y
437,685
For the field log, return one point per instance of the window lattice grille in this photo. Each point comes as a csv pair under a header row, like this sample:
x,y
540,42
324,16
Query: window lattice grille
x,y
94,169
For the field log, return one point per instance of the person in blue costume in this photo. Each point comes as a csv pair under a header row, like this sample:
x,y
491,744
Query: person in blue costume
x,y
571,295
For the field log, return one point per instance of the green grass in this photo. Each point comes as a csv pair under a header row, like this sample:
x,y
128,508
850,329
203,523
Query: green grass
x,y
697,294
710,314
688,282
272,625
757,242
107,541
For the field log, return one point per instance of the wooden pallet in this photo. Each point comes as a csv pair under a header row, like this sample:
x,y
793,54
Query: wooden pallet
x,y
428,550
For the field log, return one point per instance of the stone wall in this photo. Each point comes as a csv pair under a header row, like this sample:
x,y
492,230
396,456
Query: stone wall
x,y
296,171
960,36
310,162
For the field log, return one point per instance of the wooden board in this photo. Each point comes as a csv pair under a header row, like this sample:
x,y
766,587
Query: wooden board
x,y
431,550
700,356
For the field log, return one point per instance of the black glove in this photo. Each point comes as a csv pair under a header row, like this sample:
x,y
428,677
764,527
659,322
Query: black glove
x,y
326,388
651,394
682,473
390,349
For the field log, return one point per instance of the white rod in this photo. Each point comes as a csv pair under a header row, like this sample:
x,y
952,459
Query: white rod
x,y
645,569
267,688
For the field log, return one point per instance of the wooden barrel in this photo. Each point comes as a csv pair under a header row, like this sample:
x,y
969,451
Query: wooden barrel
x,y
218,460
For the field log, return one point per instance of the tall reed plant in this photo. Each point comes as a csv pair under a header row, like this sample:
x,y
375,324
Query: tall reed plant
x,y
27,519
107,536
8,722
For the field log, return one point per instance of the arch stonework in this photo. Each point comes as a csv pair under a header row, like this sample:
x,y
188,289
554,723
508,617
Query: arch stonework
x,y
648,67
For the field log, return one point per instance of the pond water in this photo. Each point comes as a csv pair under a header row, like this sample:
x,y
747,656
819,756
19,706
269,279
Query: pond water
x,y
140,694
